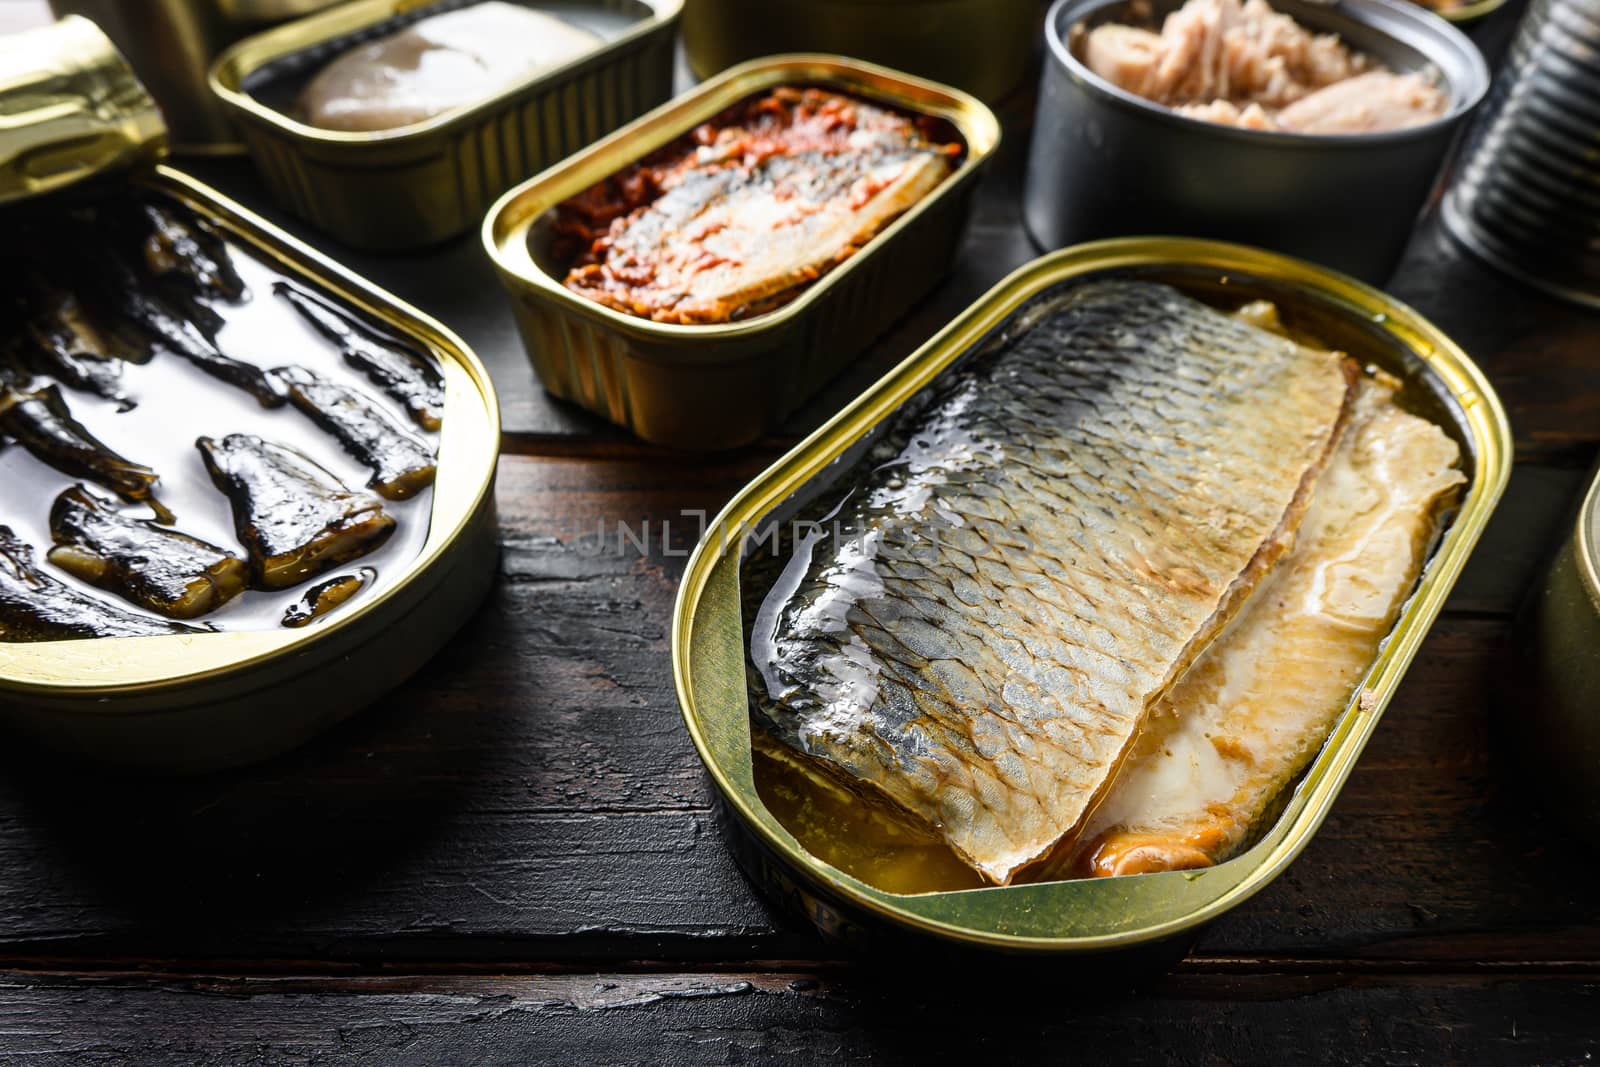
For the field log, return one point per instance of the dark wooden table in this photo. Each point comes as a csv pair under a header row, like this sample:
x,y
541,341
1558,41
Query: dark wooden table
x,y
513,858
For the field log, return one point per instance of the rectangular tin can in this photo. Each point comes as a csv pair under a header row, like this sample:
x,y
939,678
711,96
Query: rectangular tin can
x,y
422,183
190,703
717,386
1147,917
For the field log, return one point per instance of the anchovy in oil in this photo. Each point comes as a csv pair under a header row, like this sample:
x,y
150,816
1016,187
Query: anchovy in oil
x,y
37,607
63,343
294,518
161,569
402,466
43,424
403,373
326,596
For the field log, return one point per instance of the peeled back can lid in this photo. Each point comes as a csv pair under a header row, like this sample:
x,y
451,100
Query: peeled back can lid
x,y
70,108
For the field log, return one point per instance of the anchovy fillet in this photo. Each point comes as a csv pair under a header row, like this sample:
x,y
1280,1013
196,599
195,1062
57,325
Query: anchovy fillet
x,y
406,375
41,422
166,571
402,466
294,518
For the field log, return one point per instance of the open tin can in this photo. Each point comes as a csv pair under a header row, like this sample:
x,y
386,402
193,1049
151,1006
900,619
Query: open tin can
x,y
421,183
1143,916
720,385
1106,162
205,700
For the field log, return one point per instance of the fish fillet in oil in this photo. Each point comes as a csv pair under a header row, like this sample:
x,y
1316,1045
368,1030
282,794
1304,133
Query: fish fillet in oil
x,y
1033,556
1257,706
762,203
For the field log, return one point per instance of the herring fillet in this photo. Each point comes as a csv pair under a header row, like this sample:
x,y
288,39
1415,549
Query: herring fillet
x,y
1258,705
1033,557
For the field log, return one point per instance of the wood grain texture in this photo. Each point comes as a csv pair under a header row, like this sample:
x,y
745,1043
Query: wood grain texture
x,y
797,1016
533,795
475,870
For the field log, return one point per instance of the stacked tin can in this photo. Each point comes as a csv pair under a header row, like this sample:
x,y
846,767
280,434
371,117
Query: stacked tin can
x,y
1528,199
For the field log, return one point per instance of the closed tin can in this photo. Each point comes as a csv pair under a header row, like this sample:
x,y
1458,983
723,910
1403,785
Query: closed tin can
x,y
421,183
199,702
1528,197
1556,719
721,385
1145,918
1106,162
985,47
74,108
171,44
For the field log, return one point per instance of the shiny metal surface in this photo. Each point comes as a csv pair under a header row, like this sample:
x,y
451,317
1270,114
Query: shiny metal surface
x,y
420,184
1088,917
985,47
719,385
1558,725
1528,198
1106,163
72,109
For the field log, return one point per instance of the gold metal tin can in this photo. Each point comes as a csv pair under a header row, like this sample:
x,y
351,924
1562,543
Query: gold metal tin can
x,y
1558,721
206,701
70,108
419,184
716,386
983,46
171,43
1142,914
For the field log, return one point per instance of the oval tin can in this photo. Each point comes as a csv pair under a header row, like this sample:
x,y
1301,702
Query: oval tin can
x,y
425,182
1144,917
717,386
189,703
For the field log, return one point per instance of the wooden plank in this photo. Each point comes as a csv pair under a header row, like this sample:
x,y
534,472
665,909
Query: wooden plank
x,y
1537,350
532,794
799,1016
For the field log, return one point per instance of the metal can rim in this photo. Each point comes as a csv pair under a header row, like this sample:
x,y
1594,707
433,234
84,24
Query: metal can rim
x,y
1381,15
938,913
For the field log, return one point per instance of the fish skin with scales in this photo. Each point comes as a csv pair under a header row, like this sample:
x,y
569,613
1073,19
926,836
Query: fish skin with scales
x,y
1034,552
